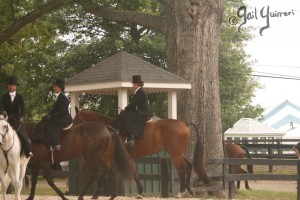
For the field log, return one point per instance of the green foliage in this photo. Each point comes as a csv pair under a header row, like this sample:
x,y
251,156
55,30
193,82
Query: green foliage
x,y
68,41
237,86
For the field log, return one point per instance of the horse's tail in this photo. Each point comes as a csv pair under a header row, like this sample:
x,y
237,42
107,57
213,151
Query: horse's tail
x,y
199,159
122,158
248,155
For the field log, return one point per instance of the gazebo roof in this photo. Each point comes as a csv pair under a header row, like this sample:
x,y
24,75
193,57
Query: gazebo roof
x,y
251,127
117,71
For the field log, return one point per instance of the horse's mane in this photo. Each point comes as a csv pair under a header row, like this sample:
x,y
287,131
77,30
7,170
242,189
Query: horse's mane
x,y
97,113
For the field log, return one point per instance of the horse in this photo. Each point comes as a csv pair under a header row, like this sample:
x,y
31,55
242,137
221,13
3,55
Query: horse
x,y
13,161
166,134
94,142
237,151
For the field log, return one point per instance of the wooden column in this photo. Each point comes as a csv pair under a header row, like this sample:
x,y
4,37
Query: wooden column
x,y
122,98
172,104
74,102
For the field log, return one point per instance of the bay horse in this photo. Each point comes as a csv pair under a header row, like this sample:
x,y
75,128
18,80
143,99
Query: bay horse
x,y
94,142
13,161
237,151
165,134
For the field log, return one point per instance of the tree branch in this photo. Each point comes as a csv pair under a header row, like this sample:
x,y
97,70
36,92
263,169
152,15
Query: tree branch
x,y
30,17
146,20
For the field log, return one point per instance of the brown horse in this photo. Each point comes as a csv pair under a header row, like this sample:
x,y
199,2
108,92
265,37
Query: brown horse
x,y
237,151
166,134
94,142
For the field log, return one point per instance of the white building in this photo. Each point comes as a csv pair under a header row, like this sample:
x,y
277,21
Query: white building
x,y
284,117
250,129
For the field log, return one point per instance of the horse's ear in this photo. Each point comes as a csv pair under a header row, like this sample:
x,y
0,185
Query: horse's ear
x,y
76,110
5,115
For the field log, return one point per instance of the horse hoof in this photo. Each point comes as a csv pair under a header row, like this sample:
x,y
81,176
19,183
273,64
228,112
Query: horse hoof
x,y
112,197
95,197
178,196
139,196
80,198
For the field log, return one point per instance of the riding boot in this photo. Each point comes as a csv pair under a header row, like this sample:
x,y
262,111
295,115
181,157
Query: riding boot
x,y
23,135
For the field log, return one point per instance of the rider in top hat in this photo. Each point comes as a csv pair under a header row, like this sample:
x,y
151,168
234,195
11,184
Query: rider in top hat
x,y
132,120
13,104
57,119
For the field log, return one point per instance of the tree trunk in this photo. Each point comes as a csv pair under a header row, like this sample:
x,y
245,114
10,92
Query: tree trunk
x,y
193,39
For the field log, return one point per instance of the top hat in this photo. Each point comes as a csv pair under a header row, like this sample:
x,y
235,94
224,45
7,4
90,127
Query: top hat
x,y
60,83
137,79
12,81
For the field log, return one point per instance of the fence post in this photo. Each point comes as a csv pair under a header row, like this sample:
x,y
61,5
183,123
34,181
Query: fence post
x,y
298,180
165,177
270,166
231,186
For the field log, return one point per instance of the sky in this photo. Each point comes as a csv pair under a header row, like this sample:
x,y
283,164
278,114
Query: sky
x,y
275,49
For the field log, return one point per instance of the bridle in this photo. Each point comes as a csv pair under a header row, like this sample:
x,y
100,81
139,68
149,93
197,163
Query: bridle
x,y
5,152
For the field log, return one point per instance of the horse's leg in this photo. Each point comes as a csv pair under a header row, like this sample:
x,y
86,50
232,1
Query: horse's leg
x,y
48,176
137,181
188,168
14,172
93,175
238,183
34,178
22,173
99,186
4,184
183,168
247,185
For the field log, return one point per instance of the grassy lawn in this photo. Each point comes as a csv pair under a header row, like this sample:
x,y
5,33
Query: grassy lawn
x,y
264,195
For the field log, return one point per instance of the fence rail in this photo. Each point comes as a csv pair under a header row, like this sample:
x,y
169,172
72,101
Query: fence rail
x,y
230,177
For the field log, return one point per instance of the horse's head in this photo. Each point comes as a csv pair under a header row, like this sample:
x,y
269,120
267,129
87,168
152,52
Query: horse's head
x,y
86,115
4,127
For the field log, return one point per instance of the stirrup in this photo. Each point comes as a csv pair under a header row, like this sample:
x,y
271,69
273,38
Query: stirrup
x,y
55,148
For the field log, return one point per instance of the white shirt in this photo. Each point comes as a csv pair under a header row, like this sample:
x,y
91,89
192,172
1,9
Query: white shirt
x,y
136,90
56,95
12,95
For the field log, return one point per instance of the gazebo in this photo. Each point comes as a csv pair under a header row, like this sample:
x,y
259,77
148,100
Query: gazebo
x,y
114,74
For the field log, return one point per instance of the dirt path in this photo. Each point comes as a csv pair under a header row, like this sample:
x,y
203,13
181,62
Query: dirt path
x,y
287,186
39,197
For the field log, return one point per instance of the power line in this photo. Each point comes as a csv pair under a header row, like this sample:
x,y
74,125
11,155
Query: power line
x,y
280,75
279,66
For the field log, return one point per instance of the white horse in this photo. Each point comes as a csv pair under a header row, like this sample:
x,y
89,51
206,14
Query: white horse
x,y
12,163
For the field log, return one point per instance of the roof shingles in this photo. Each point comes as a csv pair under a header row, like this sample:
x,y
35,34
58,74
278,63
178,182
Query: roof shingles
x,y
121,67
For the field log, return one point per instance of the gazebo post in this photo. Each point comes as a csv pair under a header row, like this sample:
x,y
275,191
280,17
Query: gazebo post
x,y
74,102
172,104
122,98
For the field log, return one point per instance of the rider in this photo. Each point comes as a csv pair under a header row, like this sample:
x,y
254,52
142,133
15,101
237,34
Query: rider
x,y
58,118
13,104
132,120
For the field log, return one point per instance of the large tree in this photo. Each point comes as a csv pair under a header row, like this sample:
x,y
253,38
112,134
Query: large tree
x,y
192,32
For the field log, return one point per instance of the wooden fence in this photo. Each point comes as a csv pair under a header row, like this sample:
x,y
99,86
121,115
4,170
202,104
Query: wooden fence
x,y
164,178
227,177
